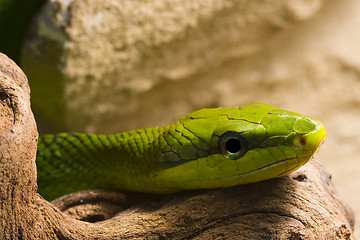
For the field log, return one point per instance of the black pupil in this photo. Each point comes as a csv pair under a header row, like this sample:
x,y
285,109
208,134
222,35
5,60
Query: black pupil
x,y
233,145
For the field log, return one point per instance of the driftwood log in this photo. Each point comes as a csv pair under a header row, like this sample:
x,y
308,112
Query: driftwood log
x,y
302,205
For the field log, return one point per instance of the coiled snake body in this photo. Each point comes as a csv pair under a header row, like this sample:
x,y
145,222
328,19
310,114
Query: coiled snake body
x,y
209,148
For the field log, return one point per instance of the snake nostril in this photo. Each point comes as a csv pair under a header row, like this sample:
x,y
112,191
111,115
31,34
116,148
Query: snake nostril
x,y
300,141
303,140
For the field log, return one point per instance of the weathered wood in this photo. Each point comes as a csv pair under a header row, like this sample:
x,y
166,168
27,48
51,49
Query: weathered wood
x,y
302,205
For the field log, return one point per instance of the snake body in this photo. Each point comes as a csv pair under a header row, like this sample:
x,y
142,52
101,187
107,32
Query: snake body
x,y
209,148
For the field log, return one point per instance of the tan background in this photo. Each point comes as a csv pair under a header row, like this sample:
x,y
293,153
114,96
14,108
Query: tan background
x,y
119,65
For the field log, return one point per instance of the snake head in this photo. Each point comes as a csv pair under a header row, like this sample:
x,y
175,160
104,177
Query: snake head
x,y
224,147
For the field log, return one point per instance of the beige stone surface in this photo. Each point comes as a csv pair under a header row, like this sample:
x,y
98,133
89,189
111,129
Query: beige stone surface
x,y
121,65
164,60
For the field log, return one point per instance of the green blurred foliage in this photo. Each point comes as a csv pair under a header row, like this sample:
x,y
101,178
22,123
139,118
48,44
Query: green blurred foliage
x,y
15,17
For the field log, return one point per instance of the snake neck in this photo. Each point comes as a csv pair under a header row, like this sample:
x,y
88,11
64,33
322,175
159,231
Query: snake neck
x,y
73,162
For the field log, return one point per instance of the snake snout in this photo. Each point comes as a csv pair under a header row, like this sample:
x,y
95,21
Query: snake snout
x,y
310,134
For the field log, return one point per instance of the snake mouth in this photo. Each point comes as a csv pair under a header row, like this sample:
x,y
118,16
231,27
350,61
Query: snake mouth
x,y
269,166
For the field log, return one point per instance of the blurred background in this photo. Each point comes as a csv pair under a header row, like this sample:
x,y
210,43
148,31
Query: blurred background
x,y
105,66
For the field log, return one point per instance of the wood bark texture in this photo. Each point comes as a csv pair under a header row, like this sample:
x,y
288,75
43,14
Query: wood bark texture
x,y
302,205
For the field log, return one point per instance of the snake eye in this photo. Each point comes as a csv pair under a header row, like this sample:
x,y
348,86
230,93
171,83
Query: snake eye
x,y
232,145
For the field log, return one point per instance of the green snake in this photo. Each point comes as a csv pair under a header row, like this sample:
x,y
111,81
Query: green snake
x,y
209,148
